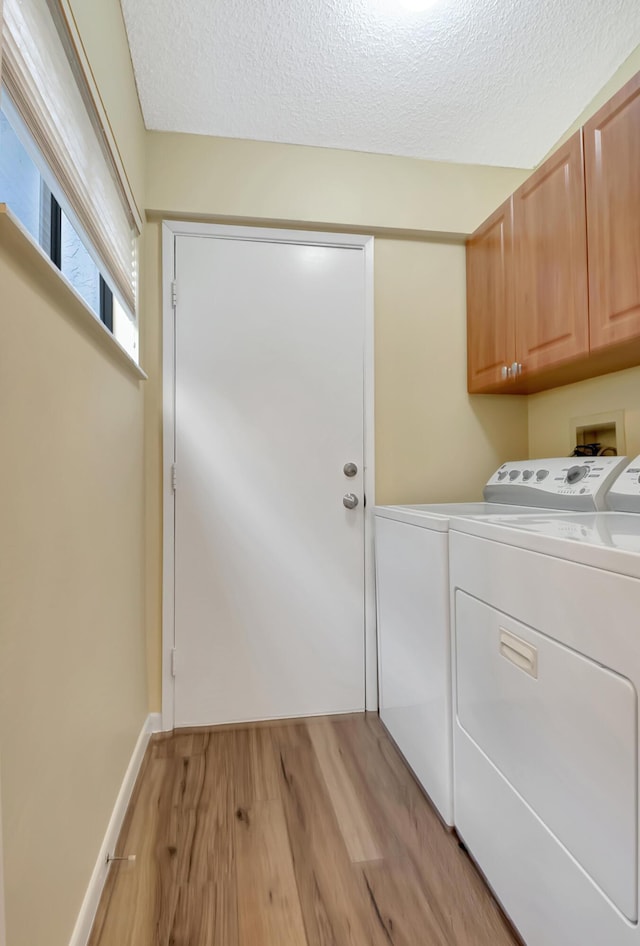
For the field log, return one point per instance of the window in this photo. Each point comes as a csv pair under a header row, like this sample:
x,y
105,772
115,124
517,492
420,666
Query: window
x,y
76,264
20,182
35,200
61,172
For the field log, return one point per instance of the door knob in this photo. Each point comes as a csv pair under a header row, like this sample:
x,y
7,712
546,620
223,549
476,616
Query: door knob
x,y
350,500
349,469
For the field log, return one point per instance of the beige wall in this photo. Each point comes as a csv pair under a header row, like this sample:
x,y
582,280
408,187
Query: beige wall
x,y
551,411
433,440
72,659
72,673
423,414
198,175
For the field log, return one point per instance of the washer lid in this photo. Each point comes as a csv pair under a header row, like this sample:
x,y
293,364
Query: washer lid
x,y
436,516
609,540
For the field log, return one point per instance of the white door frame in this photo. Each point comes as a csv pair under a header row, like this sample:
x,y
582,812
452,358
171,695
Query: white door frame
x,y
170,231
3,933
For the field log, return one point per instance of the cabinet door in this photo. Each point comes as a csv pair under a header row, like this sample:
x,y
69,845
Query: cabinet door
x,y
490,326
612,156
550,245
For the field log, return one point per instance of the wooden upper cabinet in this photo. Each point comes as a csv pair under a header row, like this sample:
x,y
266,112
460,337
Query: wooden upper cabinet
x,y
550,246
612,157
490,327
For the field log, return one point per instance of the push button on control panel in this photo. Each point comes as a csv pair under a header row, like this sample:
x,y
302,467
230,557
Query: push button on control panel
x,y
514,474
527,474
542,475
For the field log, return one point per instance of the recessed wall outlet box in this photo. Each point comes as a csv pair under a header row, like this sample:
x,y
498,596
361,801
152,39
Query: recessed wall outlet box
x,y
607,429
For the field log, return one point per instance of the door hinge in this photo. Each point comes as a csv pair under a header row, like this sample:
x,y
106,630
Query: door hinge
x,y
173,661
174,477
174,294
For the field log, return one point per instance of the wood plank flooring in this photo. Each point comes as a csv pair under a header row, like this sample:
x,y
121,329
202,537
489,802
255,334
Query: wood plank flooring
x,y
311,833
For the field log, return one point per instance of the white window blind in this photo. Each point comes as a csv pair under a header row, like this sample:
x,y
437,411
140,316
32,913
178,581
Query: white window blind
x,y
41,82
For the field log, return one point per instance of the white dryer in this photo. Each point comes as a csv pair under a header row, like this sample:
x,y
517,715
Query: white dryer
x,y
412,580
546,659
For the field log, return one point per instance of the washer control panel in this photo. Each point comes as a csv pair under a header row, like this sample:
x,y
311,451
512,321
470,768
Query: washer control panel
x,y
577,484
624,495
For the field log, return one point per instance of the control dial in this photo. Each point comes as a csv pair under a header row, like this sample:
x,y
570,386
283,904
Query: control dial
x,y
576,473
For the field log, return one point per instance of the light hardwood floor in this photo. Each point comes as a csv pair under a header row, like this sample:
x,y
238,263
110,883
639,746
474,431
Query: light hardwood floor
x,y
303,834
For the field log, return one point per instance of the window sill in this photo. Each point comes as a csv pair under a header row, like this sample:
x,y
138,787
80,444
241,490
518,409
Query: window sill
x,y
15,239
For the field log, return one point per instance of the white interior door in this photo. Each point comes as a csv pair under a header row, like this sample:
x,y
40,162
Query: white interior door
x,y
269,564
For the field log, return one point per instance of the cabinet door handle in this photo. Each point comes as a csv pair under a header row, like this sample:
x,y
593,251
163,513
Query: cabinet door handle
x,y
504,372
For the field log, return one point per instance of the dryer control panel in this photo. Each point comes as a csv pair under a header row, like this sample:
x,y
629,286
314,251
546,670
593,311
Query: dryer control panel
x,y
577,484
624,495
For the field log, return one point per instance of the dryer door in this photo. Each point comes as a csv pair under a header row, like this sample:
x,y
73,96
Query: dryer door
x,y
561,729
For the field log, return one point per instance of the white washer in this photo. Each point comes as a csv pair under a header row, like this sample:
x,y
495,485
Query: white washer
x,y
546,656
412,569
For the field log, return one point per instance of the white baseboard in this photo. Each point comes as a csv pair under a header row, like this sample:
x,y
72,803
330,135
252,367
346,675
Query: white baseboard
x,y
155,722
82,929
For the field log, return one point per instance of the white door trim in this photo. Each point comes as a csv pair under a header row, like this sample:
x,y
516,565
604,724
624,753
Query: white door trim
x,y
172,229
3,933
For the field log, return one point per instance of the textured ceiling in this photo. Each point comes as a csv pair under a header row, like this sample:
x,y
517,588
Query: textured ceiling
x,y
486,81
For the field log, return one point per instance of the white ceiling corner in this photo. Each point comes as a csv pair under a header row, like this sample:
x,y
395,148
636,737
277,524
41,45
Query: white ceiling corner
x,y
473,81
